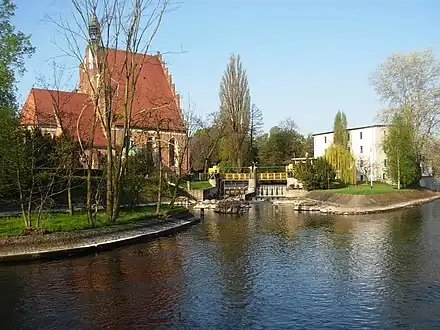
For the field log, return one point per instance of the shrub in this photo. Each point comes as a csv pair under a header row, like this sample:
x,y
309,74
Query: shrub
x,y
315,174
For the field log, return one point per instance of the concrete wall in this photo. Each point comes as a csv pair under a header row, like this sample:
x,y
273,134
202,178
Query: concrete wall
x,y
430,183
201,195
295,193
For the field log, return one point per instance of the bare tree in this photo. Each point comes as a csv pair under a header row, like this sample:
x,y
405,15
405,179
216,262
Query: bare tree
x,y
67,151
367,167
235,107
192,123
111,79
411,81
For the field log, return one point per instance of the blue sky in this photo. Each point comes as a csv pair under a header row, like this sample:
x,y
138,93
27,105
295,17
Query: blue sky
x,y
304,59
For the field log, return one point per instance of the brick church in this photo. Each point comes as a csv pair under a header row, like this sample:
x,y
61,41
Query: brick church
x,y
156,116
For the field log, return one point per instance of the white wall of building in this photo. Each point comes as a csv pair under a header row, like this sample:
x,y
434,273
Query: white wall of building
x,y
366,145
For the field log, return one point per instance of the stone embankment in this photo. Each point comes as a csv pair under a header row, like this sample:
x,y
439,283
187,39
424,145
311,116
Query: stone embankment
x,y
224,206
332,203
55,245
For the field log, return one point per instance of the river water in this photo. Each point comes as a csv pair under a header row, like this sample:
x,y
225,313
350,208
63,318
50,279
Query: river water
x,y
270,269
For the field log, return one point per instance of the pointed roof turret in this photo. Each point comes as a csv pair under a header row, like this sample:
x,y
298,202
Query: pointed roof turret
x,y
94,30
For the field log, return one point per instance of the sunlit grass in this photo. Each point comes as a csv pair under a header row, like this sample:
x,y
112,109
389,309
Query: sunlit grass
x,y
198,185
63,222
365,189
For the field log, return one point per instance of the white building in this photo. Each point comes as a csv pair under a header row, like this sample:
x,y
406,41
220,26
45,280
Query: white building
x,y
366,145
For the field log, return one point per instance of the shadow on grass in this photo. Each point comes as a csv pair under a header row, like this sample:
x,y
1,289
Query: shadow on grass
x,y
338,185
13,225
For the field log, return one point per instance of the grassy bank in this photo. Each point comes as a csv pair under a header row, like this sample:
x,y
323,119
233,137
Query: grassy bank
x,y
365,189
365,197
197,185
62,222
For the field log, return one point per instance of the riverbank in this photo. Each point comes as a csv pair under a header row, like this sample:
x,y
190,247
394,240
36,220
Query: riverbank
x,y
344,204
12,224
66,244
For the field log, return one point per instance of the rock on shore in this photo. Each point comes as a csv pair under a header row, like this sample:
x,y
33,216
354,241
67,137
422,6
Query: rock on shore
x,y
333,203
230,206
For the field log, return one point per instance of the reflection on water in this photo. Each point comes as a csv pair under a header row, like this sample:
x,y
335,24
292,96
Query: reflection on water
x,y
272,268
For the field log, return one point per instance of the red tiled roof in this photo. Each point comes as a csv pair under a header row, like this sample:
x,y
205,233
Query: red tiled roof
x,y
155,104
74,109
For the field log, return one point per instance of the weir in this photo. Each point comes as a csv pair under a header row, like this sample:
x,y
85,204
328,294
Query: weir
x,y
263,185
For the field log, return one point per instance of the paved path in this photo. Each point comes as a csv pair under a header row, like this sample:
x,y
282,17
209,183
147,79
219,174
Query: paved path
x,y
86,241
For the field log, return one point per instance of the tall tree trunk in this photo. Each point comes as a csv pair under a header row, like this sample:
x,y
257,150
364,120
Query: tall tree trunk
x,y
116,201
109,192
89,196
69,193
398,170
22,202
205,166
176,187
159,192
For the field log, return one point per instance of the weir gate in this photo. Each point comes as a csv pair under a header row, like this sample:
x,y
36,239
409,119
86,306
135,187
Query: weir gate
x,y
264,183
267,185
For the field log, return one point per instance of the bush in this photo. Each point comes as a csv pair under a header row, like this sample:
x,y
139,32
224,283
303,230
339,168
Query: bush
x,y
315,174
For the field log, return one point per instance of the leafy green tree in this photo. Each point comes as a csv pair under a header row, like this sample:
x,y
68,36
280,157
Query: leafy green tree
x,y
343,162
283,143
14,48
315,174
412,81
35,173
339,154
399,144
309,146
340,132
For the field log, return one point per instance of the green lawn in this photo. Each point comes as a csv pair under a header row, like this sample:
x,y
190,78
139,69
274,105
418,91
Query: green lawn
x,y
198,185
57,222
364,189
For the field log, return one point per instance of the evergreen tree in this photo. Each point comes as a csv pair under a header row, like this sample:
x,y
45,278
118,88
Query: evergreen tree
x,y
340,132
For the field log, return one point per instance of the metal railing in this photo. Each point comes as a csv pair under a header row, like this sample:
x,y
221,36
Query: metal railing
x,y
261,176
272,176
236,176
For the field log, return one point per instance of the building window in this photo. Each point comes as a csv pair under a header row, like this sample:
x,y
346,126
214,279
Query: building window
x,y
360,135
362,178
325,139
362,149
384,176
171,153
384,163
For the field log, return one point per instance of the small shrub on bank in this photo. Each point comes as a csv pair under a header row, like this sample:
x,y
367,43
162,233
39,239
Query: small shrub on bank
x,y
315,174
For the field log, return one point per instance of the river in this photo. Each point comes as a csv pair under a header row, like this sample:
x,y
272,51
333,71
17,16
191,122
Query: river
x,y
270,269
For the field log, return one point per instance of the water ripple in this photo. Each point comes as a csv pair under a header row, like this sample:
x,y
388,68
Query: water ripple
x,y
270,269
